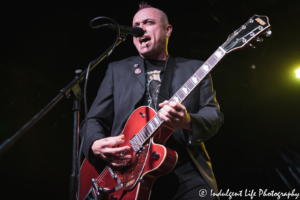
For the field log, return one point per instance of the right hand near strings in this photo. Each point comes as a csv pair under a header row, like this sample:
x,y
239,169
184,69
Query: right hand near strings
x,y
103,148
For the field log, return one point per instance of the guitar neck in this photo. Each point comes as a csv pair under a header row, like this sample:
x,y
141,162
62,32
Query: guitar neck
x,y
148,130
198,76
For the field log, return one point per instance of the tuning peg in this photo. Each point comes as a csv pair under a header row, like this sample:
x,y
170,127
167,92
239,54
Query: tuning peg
x,y
268,33
259,39
252,46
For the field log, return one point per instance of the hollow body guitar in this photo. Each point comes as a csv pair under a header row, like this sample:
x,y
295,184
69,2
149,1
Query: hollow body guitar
x,y
146,133
150,161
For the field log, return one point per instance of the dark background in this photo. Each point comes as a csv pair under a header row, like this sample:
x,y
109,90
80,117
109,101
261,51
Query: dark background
x,y
42,44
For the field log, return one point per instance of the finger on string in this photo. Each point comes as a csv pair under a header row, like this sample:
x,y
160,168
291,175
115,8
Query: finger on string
x,y
172,112
177,106
167,113
113,141
118,157
115,150
164,117
163,103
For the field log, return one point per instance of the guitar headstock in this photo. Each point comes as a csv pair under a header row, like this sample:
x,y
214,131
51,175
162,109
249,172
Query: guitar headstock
x,y
250,31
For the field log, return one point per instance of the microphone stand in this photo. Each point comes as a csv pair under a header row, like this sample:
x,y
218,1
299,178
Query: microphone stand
x,y
65,92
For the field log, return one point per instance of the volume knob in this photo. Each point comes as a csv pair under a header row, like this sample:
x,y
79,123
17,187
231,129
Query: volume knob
x,y
155,155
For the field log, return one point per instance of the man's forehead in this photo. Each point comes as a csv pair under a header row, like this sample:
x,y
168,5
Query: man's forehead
x,y
147,13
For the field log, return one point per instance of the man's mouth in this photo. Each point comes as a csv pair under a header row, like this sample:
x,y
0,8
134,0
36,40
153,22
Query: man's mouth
x,y
144,40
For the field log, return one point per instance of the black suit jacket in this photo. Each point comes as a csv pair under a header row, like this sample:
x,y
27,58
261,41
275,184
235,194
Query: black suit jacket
x,y
122,91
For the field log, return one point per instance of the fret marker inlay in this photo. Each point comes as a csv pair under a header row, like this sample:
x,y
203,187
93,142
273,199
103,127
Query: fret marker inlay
x,y
184,90
219,54
205,67
195,80
176,99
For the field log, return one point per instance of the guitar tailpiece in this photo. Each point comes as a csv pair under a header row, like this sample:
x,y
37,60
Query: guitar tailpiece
x,y
102,190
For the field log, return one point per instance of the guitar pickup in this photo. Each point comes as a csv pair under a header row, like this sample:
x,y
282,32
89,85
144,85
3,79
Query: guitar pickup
x,y
142,148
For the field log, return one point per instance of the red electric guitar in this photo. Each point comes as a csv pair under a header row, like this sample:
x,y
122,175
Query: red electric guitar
x,y
146,133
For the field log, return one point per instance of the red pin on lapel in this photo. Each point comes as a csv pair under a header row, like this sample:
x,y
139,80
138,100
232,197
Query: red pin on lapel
x,y
138,71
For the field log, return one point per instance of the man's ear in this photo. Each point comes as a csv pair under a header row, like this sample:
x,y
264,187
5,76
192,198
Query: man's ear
x,y
169,29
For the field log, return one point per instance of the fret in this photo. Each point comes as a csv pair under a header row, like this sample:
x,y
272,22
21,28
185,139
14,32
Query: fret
x,y
145,136
139,138
151,126
149,131
136,141
180,94
155,120
190,85
142,136
145,131
158,119
201,74
212,61
216,58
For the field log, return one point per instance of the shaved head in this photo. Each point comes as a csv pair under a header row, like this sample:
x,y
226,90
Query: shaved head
x,y
161,14
153,44
145,5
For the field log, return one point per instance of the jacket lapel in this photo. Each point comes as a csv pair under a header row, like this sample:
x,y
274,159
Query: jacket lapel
x,y
139,62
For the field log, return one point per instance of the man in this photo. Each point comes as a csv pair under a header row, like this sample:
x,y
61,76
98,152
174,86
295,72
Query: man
x,y
134,82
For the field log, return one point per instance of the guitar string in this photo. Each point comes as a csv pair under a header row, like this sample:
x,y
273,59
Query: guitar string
x,y
104,173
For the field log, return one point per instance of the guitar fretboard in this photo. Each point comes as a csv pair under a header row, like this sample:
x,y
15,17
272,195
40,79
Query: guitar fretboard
x,y
138,140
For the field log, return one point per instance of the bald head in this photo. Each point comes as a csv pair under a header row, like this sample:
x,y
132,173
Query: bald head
x,y
161,15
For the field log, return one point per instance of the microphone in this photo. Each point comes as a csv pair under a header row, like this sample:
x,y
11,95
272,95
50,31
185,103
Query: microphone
x,y
134,31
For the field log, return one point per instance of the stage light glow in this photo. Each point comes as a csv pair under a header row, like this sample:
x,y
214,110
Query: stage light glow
x,y
298,73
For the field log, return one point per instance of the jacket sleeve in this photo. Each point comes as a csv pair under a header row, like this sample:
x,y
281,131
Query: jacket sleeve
x,y
100,116
207,121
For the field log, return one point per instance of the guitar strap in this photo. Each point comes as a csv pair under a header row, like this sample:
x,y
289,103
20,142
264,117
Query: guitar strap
x,y
165,88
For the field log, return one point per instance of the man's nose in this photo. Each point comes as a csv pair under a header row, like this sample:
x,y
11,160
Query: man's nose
x,y
142,26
